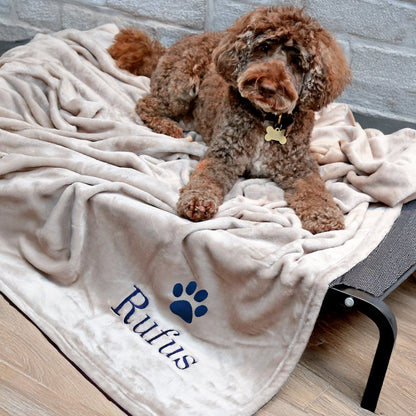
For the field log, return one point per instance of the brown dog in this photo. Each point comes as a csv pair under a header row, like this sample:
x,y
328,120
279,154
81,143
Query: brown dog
x,y
251,92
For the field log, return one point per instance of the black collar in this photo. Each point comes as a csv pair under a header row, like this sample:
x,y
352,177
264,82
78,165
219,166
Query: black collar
x,y
280,121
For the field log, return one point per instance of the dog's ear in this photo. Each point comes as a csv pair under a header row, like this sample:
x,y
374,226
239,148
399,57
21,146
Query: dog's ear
x,y
328,76
231,55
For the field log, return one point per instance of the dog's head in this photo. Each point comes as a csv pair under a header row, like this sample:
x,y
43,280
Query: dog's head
x,y
280,58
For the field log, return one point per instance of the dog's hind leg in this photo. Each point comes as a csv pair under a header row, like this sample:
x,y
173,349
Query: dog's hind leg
x,y
171,100
176,82
154,115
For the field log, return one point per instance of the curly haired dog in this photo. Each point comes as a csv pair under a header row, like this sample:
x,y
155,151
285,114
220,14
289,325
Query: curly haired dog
x,y
239,89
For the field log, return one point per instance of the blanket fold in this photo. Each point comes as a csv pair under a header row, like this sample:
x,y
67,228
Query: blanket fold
x,y
167,316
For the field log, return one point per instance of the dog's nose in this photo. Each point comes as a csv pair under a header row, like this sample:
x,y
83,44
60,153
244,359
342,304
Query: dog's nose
x,y
267,88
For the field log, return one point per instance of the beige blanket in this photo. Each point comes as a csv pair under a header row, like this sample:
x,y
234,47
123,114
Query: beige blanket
x,y
167,316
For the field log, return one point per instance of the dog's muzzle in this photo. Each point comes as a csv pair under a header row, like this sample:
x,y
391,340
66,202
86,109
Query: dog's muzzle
x,y
270,86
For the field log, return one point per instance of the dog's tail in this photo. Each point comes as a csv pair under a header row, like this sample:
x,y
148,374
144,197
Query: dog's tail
x,y
136,52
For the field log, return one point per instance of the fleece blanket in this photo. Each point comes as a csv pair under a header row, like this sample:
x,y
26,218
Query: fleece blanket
x,y
167,316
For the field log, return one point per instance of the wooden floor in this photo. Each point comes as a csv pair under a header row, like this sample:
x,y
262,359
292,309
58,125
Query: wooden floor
x,y
36,380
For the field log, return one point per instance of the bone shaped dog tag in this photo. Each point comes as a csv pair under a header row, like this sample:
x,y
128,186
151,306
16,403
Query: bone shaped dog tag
x,y
277,135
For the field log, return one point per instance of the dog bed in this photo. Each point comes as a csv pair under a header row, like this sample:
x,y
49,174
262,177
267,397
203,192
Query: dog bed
x,y
168,317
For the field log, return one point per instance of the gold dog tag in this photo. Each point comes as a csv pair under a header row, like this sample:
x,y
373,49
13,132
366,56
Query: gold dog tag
x,y
277,135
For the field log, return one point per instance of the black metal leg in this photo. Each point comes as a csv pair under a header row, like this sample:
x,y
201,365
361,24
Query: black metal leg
x,y
385,320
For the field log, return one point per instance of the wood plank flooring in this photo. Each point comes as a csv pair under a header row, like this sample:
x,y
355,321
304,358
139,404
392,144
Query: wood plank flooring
x,y
36,380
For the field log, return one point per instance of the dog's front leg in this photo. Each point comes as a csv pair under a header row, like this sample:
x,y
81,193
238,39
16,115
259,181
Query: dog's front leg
x,y
314,205
200,199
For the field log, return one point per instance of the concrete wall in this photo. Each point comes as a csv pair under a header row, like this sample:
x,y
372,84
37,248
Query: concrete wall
x,y
379,36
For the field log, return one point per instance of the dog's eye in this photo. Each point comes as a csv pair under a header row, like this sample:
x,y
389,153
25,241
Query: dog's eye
x,y
265,47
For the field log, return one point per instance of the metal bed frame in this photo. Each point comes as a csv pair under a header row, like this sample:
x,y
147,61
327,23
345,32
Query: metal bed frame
x,y
366,285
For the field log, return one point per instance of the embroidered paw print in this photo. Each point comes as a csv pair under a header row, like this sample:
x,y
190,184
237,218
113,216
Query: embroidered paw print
x,y
275,134
183,308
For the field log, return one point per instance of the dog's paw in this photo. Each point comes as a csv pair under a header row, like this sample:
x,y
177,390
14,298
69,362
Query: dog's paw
x,y
197,205
314,205
147,109
320,220
169,128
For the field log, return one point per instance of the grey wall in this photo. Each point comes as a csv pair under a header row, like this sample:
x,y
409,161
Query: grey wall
x,y
378,36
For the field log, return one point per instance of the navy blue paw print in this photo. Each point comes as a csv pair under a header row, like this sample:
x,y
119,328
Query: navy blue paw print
x,y
183,308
